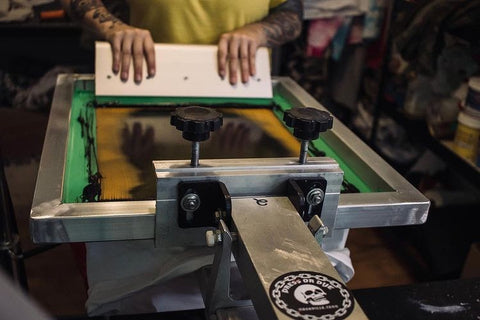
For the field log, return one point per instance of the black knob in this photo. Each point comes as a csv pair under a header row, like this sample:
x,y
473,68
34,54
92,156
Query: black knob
x,y
307,123
195,122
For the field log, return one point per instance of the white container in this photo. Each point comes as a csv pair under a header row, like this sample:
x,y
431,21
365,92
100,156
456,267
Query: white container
x,y
467,136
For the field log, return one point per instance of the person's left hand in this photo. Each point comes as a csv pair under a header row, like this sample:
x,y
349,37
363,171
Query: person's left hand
x,y
238,49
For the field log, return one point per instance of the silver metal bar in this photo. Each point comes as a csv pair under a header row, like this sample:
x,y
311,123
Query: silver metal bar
x,y
303,151
274,248
56,222
52,163
381,209
195,154
245,177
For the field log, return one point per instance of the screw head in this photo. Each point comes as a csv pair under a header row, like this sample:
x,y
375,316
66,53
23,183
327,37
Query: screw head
x,y
190,202
315,196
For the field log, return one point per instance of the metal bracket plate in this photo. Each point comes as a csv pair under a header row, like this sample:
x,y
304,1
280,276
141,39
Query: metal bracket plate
x,y
243,178
203,204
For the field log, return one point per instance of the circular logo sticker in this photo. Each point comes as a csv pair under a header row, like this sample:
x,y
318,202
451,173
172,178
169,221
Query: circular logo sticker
x,y
311,296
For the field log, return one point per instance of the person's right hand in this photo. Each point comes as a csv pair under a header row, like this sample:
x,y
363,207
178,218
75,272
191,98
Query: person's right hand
x,y
138,144
129,43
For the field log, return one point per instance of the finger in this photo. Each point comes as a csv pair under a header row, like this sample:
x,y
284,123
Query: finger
x,y
233,60
147,145
136,138
252,52
225,137
125,134
138,59
230,138
245,138
148,138
149,51
244,61
126,56
222,56
116,50
238,136
215,139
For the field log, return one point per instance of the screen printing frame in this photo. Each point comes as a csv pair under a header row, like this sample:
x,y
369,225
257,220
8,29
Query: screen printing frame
x,y
52,221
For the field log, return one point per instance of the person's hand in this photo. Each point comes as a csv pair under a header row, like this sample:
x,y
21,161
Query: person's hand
x,y
129,43
237,51
138,144
233,138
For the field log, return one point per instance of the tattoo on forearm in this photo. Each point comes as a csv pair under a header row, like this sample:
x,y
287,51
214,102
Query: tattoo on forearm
x,y
81,7
284,23
101,14
104,16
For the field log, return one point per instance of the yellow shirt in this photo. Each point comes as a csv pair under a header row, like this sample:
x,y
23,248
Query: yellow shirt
x,y
196,21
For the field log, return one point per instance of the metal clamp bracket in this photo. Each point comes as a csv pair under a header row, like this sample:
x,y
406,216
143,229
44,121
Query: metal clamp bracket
x,y
203,204
307,196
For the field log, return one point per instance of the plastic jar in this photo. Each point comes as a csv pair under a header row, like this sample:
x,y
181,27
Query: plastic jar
x,y
467,136
473,95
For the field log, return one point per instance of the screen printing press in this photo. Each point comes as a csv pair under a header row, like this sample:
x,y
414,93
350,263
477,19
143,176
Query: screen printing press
x,y
276,185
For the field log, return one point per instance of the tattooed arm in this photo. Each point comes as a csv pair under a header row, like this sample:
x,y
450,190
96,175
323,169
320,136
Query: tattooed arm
x,y
238,48
128,43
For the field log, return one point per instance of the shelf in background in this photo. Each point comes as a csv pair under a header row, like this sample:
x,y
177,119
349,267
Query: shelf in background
x,y
417,129
448,145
